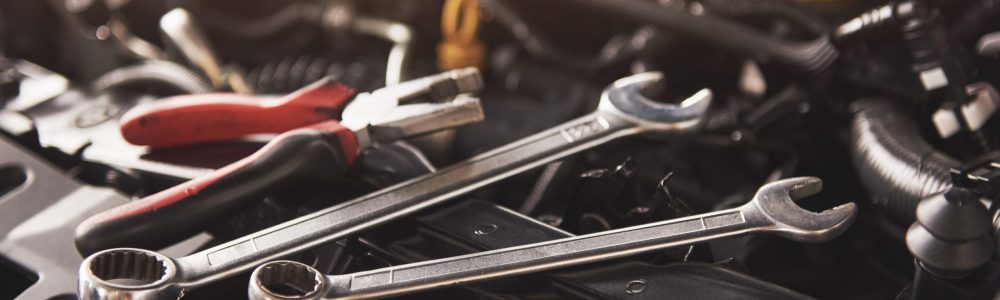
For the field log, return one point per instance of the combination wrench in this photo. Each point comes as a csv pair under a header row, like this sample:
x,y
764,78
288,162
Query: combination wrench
x,y
622,111
772,210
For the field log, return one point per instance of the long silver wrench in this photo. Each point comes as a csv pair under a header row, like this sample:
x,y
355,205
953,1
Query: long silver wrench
x,y
772,210
622,111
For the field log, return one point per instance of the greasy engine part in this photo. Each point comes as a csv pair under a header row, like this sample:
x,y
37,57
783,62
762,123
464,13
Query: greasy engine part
x,y
950,241
39,208
611,198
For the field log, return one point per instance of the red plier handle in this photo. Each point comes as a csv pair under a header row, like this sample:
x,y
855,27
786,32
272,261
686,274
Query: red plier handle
x,y
202,118
310,148
318,153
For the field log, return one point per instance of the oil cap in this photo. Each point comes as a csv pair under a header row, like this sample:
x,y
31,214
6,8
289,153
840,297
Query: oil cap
x,y
952,235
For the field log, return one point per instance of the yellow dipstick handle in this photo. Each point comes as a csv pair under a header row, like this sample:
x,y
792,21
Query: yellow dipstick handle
x,y
460,48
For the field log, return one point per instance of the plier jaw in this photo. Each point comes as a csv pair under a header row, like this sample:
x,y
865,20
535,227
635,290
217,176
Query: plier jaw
x,y
437,102
420,118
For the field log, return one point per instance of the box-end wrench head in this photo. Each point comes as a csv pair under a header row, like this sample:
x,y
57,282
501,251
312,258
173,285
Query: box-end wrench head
x,y
772,210
623,111
154,270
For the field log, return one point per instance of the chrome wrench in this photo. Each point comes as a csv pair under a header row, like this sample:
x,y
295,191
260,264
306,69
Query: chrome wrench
x,y
622,111
772,210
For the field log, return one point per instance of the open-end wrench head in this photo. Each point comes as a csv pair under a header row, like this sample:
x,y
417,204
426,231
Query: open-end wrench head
x,y
624,97
776,201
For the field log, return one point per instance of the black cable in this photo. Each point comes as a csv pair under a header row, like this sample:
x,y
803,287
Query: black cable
x,y
975,20
810,57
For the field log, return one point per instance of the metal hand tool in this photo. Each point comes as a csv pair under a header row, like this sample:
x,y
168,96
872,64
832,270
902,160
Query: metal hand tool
x,y
316,153
772,210
622,112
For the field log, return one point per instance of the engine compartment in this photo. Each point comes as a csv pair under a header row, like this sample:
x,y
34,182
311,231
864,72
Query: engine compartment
x,y
890,104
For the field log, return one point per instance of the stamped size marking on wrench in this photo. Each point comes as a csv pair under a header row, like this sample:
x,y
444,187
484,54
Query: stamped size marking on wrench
x,y
772,210
584,130
622,111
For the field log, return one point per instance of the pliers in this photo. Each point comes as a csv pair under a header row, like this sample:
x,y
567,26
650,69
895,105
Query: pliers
x,y
317,148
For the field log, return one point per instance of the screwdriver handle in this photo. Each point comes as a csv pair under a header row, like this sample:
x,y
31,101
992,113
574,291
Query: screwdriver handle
x,y
201,118
319,152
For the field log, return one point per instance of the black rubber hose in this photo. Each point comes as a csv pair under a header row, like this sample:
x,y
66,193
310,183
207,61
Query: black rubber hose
x,y
153,72
781,10
975,20
810,57
896,165
533,42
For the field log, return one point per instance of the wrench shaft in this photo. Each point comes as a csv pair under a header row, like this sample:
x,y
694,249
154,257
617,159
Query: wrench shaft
x,y
356,215
547,255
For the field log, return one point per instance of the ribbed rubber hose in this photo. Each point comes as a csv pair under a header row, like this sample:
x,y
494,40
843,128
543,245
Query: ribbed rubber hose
x,y
896,165
153,72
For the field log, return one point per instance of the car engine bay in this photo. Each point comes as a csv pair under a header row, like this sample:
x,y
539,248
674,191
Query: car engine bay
x,y
499,149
